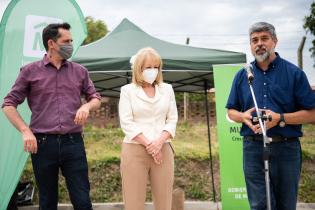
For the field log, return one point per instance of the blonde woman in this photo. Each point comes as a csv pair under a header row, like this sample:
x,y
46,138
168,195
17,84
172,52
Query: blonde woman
x,y
148,117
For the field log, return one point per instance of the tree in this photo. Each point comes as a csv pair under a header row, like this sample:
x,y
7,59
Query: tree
x,y
96,30
309,25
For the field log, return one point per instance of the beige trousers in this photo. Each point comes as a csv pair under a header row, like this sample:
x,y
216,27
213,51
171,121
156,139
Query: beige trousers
x,y
137,167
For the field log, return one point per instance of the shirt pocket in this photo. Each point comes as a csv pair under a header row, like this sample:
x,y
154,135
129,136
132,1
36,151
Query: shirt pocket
x,y
42,87
282,96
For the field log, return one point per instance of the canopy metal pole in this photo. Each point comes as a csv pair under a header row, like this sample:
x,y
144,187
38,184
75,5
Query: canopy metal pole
x,y
127,79
209,139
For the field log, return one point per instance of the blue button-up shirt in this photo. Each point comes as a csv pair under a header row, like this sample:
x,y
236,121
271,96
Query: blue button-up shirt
x,y
283,88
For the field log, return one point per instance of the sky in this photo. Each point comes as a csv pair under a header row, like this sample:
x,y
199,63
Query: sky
x,y
217,24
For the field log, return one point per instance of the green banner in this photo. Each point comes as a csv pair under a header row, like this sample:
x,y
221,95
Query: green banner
x,y
20,43
233,188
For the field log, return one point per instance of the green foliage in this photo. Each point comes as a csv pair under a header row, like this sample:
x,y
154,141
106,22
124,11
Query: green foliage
x,y
306,155
105,181
308,142
194,96
190,142
307,182
96,30
192,176
103,143
196,191
309,25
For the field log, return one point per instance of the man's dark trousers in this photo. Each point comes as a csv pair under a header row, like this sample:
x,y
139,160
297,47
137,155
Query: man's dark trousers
x,y
65,152
284,171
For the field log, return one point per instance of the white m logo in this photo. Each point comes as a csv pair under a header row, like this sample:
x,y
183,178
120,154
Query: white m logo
x,y
34,25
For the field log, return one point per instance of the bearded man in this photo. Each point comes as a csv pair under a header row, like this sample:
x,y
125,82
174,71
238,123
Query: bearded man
x,y
284,93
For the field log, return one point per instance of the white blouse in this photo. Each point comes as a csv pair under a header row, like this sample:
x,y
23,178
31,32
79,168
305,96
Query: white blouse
x,y
139,113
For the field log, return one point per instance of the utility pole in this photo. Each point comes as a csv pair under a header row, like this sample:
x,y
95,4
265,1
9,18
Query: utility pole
x,y
187,40
300,52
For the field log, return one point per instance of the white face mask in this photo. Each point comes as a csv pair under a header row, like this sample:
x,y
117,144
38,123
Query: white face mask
x,y
149,75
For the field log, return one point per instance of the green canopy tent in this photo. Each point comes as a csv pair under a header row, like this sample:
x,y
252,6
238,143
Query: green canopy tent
x,y
188,69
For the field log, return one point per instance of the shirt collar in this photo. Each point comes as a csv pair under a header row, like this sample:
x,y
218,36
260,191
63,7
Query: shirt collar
x,y
142,95
273,64
46,61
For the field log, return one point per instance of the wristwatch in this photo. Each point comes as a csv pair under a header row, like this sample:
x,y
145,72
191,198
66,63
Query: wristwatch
x,y
281,121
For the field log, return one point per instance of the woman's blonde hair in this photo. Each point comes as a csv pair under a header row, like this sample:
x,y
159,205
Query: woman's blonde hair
x,y
137,62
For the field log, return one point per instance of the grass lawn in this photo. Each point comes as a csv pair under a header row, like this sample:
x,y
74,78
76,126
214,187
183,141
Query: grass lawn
x,y
192,171
191,142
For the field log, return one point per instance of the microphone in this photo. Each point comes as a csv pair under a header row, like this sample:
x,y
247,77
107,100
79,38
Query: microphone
x,y
249,70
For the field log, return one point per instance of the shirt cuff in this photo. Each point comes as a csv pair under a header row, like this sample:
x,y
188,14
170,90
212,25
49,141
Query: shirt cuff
x,y
8,103
134,134
95,95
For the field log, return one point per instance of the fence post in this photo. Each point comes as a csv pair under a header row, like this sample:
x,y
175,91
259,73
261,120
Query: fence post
x,y
186,104
178,199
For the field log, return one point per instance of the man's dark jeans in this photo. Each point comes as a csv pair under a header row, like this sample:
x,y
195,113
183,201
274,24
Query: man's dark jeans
x,y
65,152
284,171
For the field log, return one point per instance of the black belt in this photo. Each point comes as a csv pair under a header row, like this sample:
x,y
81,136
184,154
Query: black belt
x,y
274,138
42,137
79,134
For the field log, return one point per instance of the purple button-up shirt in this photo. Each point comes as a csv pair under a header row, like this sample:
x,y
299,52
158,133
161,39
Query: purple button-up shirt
x,y
54,96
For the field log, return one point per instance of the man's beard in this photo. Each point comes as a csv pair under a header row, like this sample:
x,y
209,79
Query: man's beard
x,y
265,56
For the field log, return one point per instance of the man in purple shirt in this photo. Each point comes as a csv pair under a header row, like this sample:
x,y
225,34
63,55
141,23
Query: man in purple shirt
x,y
53,87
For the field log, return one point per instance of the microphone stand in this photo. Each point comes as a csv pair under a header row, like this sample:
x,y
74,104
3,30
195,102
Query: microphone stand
x,y
262,118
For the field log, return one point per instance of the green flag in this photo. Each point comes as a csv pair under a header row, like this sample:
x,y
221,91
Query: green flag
x,y
21,43
233,189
